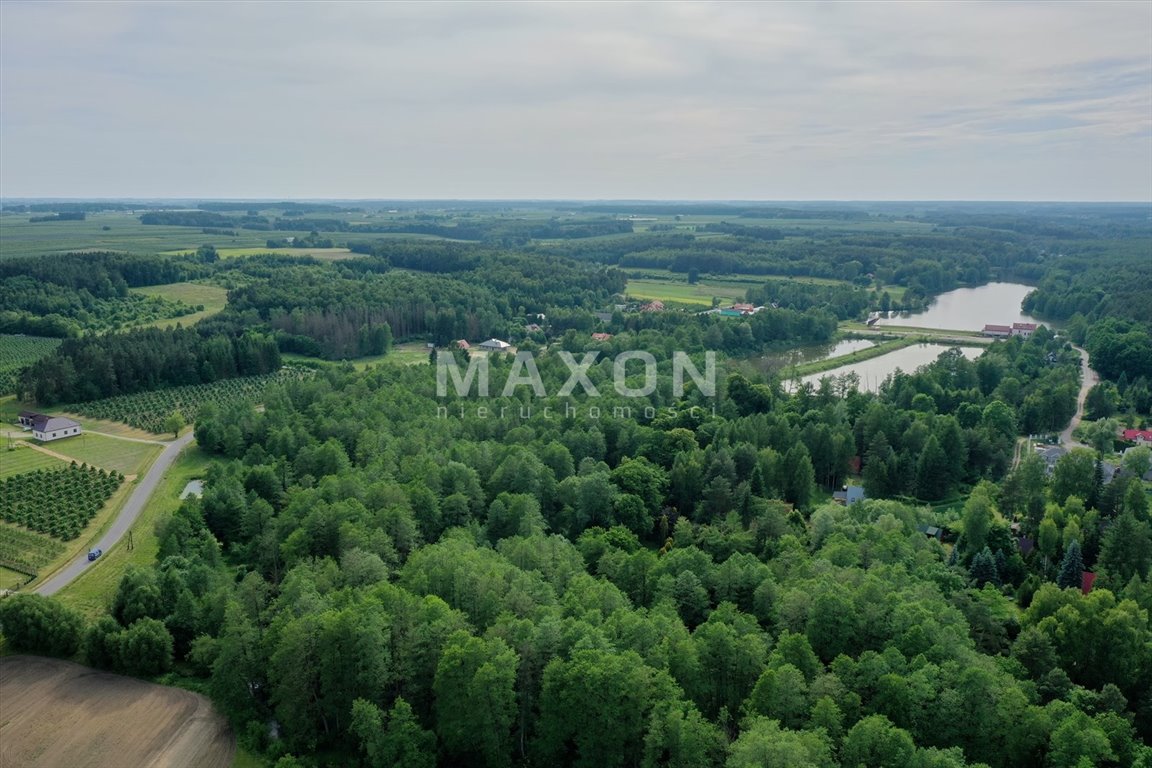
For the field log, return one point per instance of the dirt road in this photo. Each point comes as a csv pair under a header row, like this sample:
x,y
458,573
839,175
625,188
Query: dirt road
x,y
1088,379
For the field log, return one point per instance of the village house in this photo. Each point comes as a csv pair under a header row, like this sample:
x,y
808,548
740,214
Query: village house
x,y
1138,436
47,428
494,345
1051,454
998,331
601,337
849,495
1023,330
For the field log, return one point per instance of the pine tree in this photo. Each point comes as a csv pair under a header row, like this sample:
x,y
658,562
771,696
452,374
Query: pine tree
x,y
983,568
1071,568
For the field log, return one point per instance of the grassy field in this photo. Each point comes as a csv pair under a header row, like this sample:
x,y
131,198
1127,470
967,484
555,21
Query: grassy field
x,y
323,254
11,579
22,459
409,353
212,297
669,291
114,428
94,590
126,456
19,237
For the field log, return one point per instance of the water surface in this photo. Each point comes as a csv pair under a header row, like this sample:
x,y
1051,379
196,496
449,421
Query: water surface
x,y
970,309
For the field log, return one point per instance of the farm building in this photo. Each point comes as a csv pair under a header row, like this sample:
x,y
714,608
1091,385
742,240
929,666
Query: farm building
x,y
47,428
1023,330
494,345
998,331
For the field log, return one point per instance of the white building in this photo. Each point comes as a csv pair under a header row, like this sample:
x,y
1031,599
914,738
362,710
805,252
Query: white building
x,y
47,428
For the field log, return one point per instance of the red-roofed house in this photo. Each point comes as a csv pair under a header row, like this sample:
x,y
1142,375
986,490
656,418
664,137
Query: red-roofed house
x,y
1002,331
1023,329
461,344
601,336
653,306
1138,436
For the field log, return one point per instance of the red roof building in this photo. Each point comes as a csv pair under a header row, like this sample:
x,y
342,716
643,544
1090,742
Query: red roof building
x,y
1023,329
601,336
997,330
1138,436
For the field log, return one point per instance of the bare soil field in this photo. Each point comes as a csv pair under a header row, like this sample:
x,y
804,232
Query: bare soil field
x,y
56,713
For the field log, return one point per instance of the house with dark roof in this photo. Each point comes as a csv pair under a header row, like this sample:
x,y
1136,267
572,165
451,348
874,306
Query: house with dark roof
x,y
46,428
931,531
849,495
495,345
1051,454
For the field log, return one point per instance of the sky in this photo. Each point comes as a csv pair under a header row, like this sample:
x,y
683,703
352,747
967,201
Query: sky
x,y
585,100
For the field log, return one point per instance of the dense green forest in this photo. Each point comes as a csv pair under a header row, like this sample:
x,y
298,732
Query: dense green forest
x,y
363,568
379,574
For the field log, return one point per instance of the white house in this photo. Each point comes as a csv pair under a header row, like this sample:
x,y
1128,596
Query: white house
x,y
494,345
47,428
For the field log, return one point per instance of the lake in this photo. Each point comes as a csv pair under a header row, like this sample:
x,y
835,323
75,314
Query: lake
x,y
873,372
969,309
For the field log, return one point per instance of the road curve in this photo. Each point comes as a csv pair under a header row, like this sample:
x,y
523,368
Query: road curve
x,y
128,514
1088,379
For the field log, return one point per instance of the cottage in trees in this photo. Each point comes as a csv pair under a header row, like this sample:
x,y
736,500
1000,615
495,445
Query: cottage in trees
x,y
47,428
495,345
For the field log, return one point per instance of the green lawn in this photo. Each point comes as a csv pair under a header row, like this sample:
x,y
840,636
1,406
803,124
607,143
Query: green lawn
x,y
682,293
212,297
94,590
408,353
11,579
323,254
19,237
24,459
125,456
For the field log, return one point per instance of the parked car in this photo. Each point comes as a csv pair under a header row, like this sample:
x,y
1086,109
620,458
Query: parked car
x,y
95,553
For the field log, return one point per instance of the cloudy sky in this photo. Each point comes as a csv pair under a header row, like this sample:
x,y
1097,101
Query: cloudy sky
x,y
773,101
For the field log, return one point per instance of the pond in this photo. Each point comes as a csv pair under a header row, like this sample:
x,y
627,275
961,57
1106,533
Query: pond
x,y
969,309
820,352
873,372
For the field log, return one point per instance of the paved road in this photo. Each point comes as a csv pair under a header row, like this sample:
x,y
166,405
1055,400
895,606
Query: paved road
x,y
128,514
1088,379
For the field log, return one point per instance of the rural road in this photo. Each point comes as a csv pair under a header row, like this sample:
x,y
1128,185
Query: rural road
x,y
128,514
1088,379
